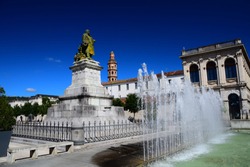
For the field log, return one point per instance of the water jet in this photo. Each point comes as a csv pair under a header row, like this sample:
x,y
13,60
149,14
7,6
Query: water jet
x,y
176,116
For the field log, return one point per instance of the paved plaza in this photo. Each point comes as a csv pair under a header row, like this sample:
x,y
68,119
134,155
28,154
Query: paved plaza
x,y
82,156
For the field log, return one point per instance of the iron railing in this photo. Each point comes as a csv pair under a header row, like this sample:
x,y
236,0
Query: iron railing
x,y
51,131
92,131
101,131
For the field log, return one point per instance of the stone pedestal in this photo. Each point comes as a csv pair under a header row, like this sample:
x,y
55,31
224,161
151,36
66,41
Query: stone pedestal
x,y
85,99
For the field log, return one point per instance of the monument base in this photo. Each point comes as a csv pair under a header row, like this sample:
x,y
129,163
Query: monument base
x,y
85,99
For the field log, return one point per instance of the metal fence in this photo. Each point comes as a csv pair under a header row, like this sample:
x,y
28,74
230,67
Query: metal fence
x,y
51,131
101,131
92,131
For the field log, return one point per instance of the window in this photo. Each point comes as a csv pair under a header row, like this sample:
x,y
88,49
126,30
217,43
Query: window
x,y
234,106
119,87
136,85
127,86
194,73
169,81
211,71
230,68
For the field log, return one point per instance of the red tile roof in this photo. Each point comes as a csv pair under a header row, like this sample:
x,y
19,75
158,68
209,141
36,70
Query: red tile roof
x,y
168,74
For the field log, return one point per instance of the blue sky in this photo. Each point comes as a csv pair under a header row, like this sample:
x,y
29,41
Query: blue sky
x,y
39,38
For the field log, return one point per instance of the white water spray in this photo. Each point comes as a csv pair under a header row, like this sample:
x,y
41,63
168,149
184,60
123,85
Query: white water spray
x,y
176,115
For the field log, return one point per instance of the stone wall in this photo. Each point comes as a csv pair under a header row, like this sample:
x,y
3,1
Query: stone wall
x,y
240,124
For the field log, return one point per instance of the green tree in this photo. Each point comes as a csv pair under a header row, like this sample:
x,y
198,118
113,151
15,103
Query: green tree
x,y
35,109
26,109
6,112
17,110
132,103
117,102
45,105
2,91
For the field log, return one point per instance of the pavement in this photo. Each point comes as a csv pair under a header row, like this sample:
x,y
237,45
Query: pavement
x,y
81,157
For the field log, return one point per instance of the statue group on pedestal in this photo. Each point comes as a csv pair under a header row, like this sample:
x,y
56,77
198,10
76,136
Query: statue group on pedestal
x,y
86,49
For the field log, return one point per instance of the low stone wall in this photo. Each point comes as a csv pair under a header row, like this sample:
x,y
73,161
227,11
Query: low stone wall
x,y
240,124
38,150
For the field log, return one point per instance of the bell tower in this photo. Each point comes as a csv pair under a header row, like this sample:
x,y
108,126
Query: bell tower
x,y
112,68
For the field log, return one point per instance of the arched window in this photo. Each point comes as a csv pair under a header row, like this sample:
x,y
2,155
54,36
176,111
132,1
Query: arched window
x,y
194,73
230,68
211,71
234,106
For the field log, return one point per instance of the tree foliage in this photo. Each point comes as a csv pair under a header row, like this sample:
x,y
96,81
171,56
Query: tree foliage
x,y
45,105
132,103
33,109
117,102
6,112
17,110
27,109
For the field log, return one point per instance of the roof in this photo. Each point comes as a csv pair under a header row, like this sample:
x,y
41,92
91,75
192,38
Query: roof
x,y
211,47
216,47
43,95
168,74
22,98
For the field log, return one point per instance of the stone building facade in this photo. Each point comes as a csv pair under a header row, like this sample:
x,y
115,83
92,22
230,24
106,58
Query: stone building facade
x,y
224,67
20,101
121,88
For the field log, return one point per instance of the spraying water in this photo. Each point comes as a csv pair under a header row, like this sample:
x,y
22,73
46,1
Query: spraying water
x,y
176,115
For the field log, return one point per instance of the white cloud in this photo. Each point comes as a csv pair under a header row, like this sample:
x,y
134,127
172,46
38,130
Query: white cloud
x,y
51,59
31,90
58,61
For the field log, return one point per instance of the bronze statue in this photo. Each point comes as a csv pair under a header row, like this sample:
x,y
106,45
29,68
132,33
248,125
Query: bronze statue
x,y
86,49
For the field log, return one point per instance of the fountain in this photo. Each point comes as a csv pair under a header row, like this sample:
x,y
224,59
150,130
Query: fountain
x,y
176,115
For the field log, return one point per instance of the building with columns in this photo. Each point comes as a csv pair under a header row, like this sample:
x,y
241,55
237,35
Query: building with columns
x,y
224,67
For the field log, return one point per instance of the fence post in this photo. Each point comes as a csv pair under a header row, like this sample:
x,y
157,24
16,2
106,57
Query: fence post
x,y
94,130
50,129
54,130
109,130
83,128
105,135
89,132
118,129
62,131
77,134
58,131
122,135
100,131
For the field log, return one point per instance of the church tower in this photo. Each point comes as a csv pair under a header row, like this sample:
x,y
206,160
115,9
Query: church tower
x,y
112,68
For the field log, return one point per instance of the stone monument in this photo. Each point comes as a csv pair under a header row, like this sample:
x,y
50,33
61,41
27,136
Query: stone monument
x,y
85,99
